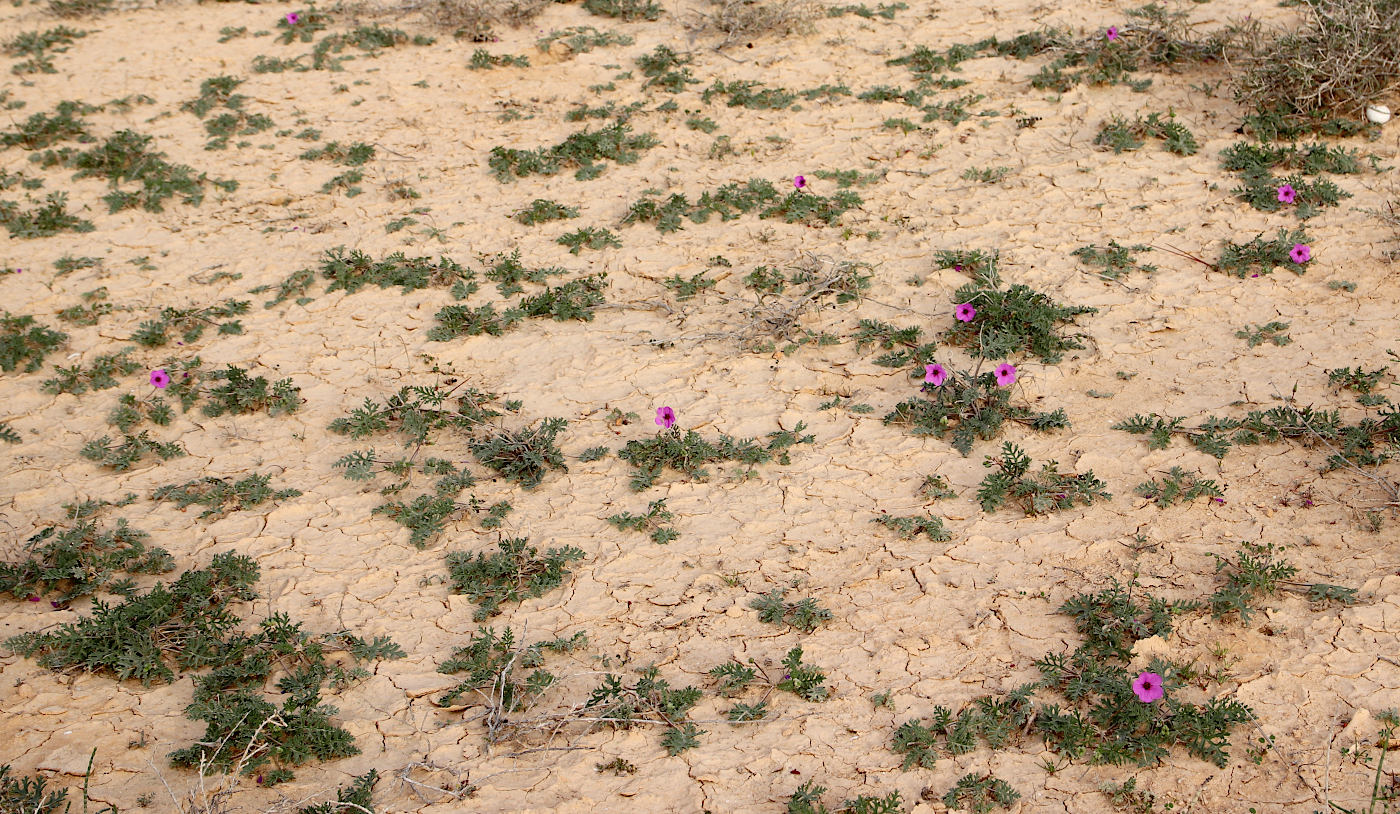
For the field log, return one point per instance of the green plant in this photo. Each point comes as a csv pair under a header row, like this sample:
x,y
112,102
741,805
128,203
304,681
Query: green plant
x,y
30,795
190,323
1178,485
1120,134
1261,256
220,496
1014,320
38,46
483,59
1113,260
512,574
687,289
357,797
807,798
241,394
582,149
130,451
1256,335
524,455
81,560
1390,721
688,453
910,527
1046,491
127,157
41,130
351,155
90,311
582,39
651,522
803,680
1257,571
101,375
650,698
985,175
733,200
49,219
505,676
626,10
589,237
968,407
1310,159
805,614
666,69
541,211
980,793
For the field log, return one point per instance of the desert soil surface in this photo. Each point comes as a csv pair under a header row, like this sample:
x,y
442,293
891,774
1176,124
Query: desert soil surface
x,y
929,623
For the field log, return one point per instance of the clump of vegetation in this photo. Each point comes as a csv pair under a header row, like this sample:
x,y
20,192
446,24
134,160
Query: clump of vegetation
x,y
1257,571
38,48
910,527
625,10
1178,485
1121,135
980,793
589,237
583,150
358,796
484,60
1261,256
218,92
132,449
1344,56
542,210
650,698
807,798
1013,320
190,323
733,200
1113,261
506,676
100,375
513,574
743,20
582,39
220,496
688,453
805,614
82,559
650,523
127,157
475,20
30,794
968,407
1048,490
524,455
241,394
902,344
48,219
1272,332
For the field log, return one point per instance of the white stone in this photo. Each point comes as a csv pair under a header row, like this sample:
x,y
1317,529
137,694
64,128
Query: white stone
x,y
1378,114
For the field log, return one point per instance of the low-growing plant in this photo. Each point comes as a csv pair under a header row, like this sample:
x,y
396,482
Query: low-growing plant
x,y
241,394
903,345
127,157
358,797
625,10
650,698
805,614
651,523
506,677
733,200
1304,198
131,450
81,560
1113,261
745,20
1121,135
483,59
807,798
583,150
582,39
90,310
980,793
542,210
100,375
1273,332
523,455
46,220
1178,485
220,496
1261,256
589,237
968,407
512,574
688,453
910,527
1048,490
347,155
1257,571
38,47
31,795
190,323
1013,320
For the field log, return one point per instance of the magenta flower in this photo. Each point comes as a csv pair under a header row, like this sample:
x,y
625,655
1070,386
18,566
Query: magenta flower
x,y
800,182
1006,375
1287,193
665,416
1300,254
1111,33
965,312
935,375
1148,687
160,378
293,18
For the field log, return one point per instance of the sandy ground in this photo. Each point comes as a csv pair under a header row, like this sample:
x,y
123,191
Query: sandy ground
x,y
930,623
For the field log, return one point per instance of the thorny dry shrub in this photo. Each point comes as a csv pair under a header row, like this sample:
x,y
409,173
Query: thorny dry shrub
x,y
1344,56
473,19
740,20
